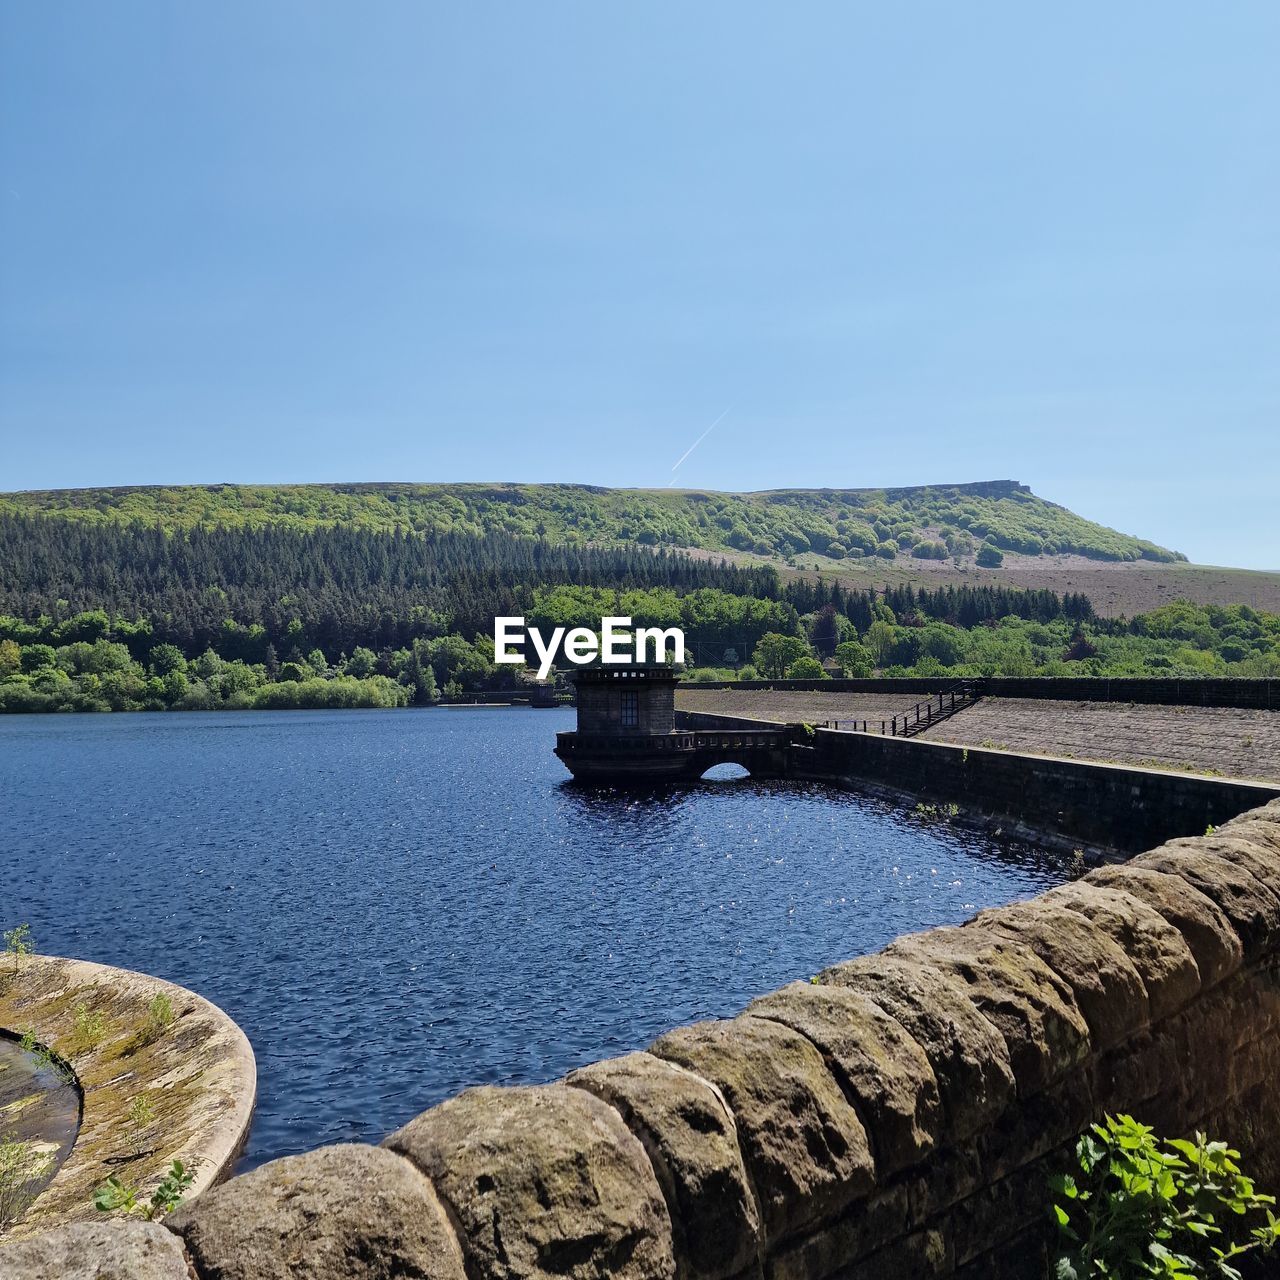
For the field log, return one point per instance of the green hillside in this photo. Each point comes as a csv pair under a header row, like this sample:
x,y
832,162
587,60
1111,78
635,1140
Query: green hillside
x,y
932,521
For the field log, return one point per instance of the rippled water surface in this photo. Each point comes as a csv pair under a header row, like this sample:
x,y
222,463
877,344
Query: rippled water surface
x,y
395,905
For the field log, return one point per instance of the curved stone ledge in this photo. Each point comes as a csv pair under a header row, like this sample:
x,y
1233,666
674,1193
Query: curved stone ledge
x,y
899,1118
196,1077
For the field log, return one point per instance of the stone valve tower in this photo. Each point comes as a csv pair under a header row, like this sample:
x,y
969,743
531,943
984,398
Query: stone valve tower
x,y
627,733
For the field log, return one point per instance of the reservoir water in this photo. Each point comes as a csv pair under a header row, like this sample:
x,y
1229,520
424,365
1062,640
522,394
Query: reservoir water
x,y
395,905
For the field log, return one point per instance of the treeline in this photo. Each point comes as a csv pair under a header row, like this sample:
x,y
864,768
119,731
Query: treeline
x,y
239,591
1180,639
958,606
331,588
112,616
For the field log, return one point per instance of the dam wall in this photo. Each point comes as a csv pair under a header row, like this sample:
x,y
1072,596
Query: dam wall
x,y
894,1118
1116,809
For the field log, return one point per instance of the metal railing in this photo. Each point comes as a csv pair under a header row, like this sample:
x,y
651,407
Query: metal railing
x,y
934,709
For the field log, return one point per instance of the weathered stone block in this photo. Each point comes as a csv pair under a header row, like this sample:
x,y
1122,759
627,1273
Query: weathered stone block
x,y
1003,1209
912,1257
1038,1124
1229,1041
337,1212
1254,911
1262,825
113,1249
1147,1065
969,1057
1025,1257
692,1140
950,1175
828,1248
1252,1120
1032,1008
882,1069
1107,987
805,1148
1156,949
1244,846
543,1182
1213,942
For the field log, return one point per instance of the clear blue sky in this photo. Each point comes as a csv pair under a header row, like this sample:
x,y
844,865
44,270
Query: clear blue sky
x,y
905,243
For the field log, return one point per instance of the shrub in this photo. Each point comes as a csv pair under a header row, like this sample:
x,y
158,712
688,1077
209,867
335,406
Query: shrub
x,y
115,1193
15,695
159,1016
91,1026
929,551
806,669
140,1115
18,941
1141,1206
989,557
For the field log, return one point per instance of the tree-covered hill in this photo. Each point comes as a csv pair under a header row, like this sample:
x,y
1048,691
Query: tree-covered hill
x,y
933,521
107,614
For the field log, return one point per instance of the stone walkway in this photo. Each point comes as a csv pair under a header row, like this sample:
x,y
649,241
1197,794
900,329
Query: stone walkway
x,y
1218,740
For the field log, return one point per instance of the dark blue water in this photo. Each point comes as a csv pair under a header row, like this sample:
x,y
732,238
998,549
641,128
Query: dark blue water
x,y
395,905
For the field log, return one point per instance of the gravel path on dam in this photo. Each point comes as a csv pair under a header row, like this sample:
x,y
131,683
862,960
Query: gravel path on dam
x,y
1234,743
1223,740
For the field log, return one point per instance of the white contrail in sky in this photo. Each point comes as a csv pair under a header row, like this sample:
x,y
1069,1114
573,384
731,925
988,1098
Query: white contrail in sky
x,y
695,444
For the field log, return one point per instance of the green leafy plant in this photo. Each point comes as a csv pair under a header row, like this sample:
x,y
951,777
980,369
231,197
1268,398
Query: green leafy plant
x,y
160,1016
116,1194
1139,1206
140,1115
937,812
91,1026
18,942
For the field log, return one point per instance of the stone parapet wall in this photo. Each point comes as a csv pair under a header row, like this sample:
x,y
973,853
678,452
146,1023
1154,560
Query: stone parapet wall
x,y
895,1118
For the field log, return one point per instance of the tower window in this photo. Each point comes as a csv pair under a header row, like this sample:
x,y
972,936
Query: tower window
x,y
631,709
